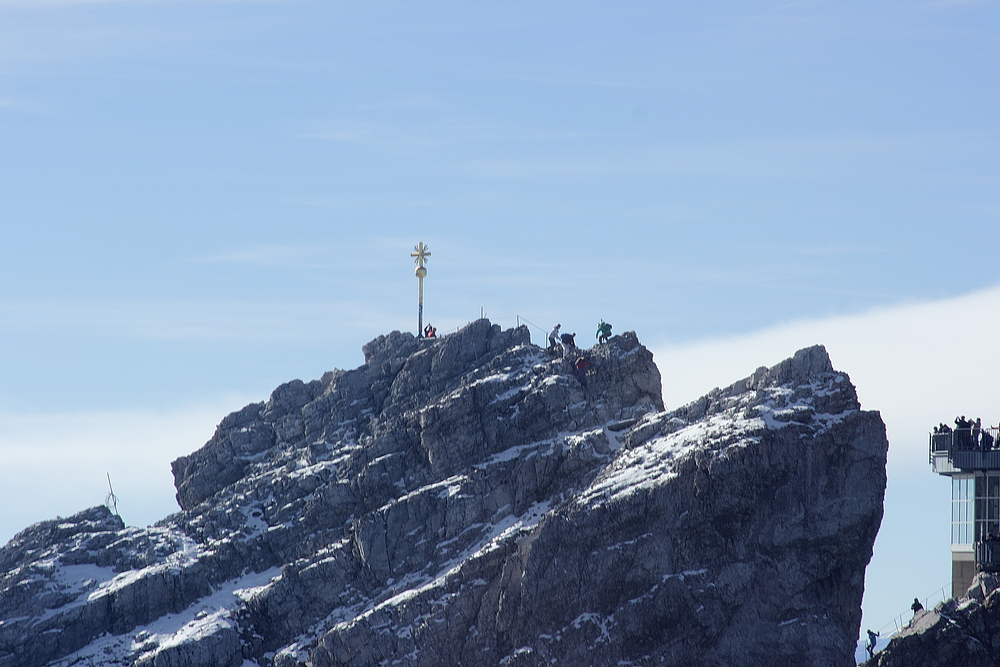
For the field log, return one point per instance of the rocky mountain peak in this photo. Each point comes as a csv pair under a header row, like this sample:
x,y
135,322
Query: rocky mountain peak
x,y
476,500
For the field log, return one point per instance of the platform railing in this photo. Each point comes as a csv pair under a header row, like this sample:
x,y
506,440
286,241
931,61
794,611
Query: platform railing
x,y
988,555
968,450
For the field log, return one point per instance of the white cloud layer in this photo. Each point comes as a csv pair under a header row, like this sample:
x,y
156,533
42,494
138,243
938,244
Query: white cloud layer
x,y
918,364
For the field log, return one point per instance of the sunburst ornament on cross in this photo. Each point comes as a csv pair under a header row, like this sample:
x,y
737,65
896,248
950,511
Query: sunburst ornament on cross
x,y
420,254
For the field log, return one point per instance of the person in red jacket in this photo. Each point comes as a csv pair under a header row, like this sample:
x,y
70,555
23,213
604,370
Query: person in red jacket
x,y
582,365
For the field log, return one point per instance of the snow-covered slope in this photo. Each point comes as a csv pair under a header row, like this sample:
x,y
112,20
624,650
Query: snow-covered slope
x,y
469,500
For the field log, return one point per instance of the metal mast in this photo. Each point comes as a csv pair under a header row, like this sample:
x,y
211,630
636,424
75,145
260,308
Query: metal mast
x,y
420,254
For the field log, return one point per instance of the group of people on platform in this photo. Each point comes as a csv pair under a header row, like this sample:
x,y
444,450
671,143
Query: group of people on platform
x,y
564,345
968,434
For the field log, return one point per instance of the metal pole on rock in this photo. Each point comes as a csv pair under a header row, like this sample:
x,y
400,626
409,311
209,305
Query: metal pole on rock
x,y
420,254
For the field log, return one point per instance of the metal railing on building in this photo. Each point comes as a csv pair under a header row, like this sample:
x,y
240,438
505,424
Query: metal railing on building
x,y
988,555
968,449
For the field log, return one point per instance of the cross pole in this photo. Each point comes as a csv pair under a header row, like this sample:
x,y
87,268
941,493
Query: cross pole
x,y
420,254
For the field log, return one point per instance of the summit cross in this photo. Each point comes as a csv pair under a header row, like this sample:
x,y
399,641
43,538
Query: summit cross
x,y
420,254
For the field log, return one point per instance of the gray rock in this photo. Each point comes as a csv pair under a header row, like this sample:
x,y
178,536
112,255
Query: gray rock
x,y
468,500
218,647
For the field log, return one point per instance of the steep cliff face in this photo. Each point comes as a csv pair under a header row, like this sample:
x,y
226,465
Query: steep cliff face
x,y
470,500
963,632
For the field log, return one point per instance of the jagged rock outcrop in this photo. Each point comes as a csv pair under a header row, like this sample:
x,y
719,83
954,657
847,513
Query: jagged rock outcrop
x,y
470,500
962,632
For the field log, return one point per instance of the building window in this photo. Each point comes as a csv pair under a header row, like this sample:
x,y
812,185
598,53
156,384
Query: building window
x,y
962,493
987,506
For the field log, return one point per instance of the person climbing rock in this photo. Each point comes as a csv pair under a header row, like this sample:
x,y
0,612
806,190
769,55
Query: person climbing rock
x,y
582,365
568,344
554,338
603,332
872,640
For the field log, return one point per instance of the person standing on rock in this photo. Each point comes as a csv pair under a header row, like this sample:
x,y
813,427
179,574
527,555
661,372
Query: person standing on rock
x,y
603,332
872,639
554,338
916,606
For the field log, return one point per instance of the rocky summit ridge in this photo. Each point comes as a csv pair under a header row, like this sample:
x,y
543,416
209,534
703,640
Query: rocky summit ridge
x,y
468,500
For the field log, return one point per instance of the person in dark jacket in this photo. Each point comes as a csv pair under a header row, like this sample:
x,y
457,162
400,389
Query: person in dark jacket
x,y
568,344
872,640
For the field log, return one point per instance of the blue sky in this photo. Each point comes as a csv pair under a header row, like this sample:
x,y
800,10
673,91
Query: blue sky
x,y
201,200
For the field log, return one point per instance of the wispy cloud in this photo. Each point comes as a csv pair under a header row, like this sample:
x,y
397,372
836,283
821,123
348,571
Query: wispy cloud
x,y
21,105
843,250
407,103
378,134
263,255
912,362
41,4
669,212
581,82
408,136
245,322
956,4
784,157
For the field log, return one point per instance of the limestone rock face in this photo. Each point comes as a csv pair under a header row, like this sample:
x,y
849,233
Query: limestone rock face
x,y
471,500
963,632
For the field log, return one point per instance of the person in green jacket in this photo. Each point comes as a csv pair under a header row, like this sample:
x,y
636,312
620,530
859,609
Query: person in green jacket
x,y
603,332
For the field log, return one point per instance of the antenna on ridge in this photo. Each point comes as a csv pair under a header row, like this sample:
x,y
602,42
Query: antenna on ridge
x,y
112,500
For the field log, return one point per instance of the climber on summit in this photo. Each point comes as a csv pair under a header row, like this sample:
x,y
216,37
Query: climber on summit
x,y
554,338
916,606
429,331
603,332
872,639
568,344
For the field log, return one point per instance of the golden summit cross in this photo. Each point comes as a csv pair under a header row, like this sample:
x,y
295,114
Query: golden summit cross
x,y
420,254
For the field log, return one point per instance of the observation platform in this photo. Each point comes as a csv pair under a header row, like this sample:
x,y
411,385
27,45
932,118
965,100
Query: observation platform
x,y
958,451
